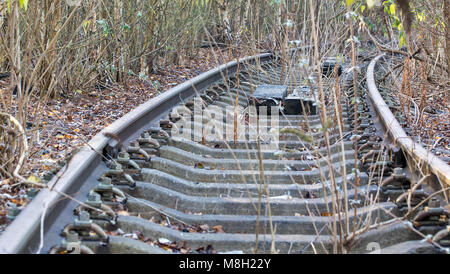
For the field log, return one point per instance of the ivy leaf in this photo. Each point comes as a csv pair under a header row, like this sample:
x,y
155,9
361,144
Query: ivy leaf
x,y
126,27
350,2
402,41
85,24
104,26
392,9
23,4
420,16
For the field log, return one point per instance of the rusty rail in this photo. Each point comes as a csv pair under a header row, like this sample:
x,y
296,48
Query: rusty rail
x,y
25,230
431,163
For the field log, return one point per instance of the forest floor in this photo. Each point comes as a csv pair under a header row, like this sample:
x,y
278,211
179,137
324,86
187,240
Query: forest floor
x,y
424,104
69,122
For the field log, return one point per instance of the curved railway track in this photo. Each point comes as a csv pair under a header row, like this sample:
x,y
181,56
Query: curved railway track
x,y
149,191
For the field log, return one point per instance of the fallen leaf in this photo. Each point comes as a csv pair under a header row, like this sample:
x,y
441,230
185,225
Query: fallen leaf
x,y
123,213
164,241
33,179
218,229
199,165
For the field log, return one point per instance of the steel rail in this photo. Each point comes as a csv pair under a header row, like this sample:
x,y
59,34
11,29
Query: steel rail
x,y
81,173
26,228
395,132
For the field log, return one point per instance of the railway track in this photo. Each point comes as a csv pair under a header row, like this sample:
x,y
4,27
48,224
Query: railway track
x,y
157,187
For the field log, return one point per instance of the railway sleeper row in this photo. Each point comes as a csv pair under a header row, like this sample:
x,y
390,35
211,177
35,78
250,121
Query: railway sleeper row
x,y
165,193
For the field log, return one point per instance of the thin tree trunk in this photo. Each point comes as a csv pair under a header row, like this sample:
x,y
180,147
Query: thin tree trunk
x,y
447,31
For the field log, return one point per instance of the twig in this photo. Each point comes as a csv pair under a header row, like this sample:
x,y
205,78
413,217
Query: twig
x,y
414,55
24,152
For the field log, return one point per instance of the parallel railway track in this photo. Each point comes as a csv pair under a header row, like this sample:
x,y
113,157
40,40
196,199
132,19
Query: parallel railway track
x,y
155,192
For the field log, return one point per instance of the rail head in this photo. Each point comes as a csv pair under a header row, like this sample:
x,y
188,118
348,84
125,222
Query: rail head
x,y
395,132
27,225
